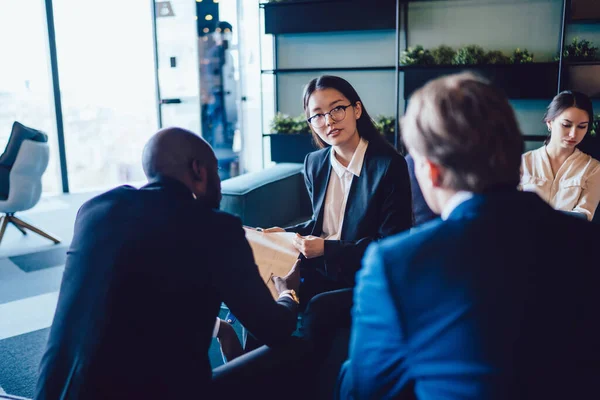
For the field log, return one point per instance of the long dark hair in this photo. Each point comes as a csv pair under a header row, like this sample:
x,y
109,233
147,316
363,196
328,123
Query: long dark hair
x,y
364,125
567,99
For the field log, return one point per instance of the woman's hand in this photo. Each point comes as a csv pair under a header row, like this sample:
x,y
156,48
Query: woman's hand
x,y
310,246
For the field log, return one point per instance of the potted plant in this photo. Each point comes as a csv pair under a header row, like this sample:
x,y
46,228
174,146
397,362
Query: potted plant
x,y
290,138
521,56
595,131
470,55
416,56
582,67
580,50
583,77
386,126
443,55
497,57
284,124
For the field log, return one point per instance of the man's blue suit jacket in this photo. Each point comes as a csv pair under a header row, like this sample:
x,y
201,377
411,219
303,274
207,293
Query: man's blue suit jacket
x,y
500,301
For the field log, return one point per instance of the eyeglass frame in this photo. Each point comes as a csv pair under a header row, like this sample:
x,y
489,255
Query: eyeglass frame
x,y
330,116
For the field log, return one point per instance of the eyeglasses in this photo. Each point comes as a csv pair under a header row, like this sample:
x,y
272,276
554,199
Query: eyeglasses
x,y
337,115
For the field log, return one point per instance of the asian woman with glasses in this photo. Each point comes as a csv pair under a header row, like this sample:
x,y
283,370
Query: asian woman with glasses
x,y
358,184
360,192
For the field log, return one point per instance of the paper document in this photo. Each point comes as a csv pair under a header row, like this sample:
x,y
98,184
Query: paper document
x,y
274,253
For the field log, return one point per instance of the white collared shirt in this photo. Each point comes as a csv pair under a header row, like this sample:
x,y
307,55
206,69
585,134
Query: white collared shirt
x,y
457,199
574,187
336,197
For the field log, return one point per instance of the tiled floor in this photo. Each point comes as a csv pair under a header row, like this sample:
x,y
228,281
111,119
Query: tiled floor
x,y
53,214
28,299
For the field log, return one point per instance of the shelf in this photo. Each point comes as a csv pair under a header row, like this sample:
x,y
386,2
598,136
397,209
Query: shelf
x,y
281,3
328,16
288,2
534,138
583,77
339,69
580,63
519,81
590,21
584,11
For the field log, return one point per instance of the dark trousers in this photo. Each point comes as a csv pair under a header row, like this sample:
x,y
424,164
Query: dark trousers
x,y
321,349
282,372
326,325
314,283
325,314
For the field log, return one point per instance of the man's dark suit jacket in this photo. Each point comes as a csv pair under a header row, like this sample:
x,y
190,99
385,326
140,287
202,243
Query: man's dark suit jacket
x,y
421,209
500,301
378,205
144,280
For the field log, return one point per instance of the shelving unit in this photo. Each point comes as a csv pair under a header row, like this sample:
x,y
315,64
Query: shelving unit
x,y
520,81
331,69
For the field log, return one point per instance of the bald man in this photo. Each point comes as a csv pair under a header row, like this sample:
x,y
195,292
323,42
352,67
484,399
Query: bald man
x,y
145,276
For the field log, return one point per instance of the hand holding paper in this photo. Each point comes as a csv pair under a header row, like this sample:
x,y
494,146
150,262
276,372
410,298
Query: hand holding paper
x,y
289,282
274,253
274,230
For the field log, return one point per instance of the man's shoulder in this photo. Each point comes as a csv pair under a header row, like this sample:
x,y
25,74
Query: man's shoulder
x,y
410,253
129,196
408,244
214,220
109,196
225,219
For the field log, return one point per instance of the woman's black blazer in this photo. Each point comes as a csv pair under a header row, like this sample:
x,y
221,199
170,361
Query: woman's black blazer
x,y
379,205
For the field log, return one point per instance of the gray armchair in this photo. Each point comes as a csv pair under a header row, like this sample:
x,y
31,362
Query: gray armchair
x,y
21,168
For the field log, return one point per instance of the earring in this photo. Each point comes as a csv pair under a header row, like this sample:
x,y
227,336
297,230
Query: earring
x,y
549,129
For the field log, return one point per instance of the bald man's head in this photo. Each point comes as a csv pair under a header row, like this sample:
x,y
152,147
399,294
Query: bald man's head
x,y
182,155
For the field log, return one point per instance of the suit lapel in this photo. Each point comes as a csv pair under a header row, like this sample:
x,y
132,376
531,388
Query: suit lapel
x,y
321,183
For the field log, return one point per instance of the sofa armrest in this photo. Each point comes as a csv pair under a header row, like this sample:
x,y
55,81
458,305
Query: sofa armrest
x,y
274,196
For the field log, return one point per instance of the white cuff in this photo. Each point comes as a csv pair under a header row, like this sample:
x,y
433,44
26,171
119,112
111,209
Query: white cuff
x,y
216,328
286,293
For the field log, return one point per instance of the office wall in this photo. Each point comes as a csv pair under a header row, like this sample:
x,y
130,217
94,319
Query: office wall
x,y
338,49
